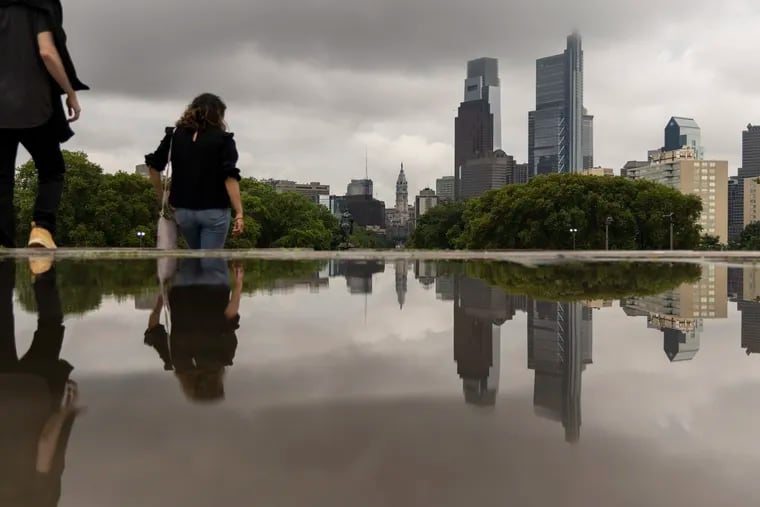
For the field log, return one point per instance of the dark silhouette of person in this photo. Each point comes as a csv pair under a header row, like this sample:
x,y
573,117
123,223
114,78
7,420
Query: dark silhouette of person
x,y
201,341
38,402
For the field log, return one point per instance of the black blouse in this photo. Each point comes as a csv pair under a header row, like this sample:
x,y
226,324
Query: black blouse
x,y
199,168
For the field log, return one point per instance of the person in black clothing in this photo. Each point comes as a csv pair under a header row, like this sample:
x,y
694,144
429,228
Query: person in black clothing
x,y
35,69
38,402
205,178
203,320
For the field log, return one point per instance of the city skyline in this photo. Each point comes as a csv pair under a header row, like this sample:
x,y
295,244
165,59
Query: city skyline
x,y
396,92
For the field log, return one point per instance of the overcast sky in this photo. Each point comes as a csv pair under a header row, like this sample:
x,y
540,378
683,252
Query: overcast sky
x,y
310,83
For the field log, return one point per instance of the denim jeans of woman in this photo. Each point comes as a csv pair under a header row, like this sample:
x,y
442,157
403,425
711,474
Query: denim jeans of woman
x,y
203,229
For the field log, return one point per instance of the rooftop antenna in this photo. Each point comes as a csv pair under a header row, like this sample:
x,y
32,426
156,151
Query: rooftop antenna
x,y
366,163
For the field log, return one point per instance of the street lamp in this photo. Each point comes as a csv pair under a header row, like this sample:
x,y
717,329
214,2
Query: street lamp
x,y
607,224
670,216
141,235
573,231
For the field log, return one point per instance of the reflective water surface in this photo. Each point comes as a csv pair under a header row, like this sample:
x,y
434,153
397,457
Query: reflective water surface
x,y
376,383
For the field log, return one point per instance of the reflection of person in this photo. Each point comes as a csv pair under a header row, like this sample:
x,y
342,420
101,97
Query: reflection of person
x,y
38,402
204,176
35,69
203,320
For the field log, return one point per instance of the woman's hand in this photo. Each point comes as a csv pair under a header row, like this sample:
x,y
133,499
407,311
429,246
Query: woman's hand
x,y
239,226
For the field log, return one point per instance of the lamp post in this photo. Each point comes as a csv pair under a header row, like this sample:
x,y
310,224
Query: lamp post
x,y
141,235
670,216
573,231
607,224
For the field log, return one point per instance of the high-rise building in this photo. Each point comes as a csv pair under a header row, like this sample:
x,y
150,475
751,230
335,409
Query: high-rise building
x,y
478,176
735,208
632,164
520,176
588,140
142,170
360,187
402,198
707,179
424,202
312,191
477,127
444,188
751,208
556,127
751,152
683,133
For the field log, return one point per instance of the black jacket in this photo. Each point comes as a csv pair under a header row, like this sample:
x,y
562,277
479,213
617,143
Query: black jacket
x,y
53,9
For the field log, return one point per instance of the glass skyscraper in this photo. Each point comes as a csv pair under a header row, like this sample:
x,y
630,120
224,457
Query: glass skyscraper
x,y
477,128
683,132
556,128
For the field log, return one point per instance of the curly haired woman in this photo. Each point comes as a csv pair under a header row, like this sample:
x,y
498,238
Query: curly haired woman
x,y
205,178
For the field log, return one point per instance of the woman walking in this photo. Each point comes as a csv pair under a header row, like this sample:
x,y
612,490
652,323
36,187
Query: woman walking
x,y
204,175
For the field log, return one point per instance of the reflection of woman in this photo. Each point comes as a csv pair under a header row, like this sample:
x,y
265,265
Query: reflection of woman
x,y
37,399
203,317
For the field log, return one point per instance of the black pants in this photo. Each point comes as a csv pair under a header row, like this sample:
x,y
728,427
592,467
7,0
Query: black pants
x,y
42,144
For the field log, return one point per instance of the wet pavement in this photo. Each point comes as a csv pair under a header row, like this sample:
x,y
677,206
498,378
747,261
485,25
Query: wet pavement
x,y
393,381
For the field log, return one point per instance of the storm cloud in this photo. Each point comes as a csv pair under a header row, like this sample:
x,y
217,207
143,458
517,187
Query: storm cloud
x,y
310,83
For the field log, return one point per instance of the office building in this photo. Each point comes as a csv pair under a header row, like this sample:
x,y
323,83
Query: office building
x,y
598,171
426,273
314,191
735,208
477,127
444,188
424,202
365,210
142,170
630,165
707,179
358,275
587,136
751,151
360,187
560,346
478,176
556,127
520,176
751,194
683,133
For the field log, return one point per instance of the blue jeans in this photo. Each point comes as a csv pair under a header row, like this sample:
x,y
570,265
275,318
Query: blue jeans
x,y
203,229
197,272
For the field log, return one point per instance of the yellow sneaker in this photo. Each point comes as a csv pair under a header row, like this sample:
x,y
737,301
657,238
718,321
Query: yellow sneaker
x,y
41,238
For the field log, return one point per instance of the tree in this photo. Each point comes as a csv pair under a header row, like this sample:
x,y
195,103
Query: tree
x,y
363,238
541,214
708,242
750,237
439,228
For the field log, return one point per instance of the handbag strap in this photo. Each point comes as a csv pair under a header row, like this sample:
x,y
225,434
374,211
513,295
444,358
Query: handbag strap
x,y
167,178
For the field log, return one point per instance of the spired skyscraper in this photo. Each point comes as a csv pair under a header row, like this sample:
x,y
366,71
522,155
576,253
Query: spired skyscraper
x,y
477,127
556,140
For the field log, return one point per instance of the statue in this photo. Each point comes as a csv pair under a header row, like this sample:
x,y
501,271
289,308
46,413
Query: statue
x,y
346,229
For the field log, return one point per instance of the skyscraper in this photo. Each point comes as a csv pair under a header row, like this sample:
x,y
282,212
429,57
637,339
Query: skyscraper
x,y
402,198
556,127
444,188
588,140
750,169
683,133
477,127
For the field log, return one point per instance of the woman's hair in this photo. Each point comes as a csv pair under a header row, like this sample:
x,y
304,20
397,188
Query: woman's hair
x,y
204,112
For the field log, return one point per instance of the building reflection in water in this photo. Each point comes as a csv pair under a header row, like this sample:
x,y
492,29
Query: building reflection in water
x,y
38,401
401,269
679,314
425,272
748,302
560,344
358,274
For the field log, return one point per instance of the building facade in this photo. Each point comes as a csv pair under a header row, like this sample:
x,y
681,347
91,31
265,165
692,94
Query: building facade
x,y
750,169
424,202
402,198
735,208
477,127
683,133
314,191
707,179
750,212
556,127
598,171
360,187
444,188
478,176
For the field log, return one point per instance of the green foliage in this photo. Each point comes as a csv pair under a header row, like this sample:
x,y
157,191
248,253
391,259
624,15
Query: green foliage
x,y
107,210
440,228
541,214
83,285
363,238
708,242
750,237
584,282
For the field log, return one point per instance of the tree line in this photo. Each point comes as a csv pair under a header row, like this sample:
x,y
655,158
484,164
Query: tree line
x,y
108,210
562,211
